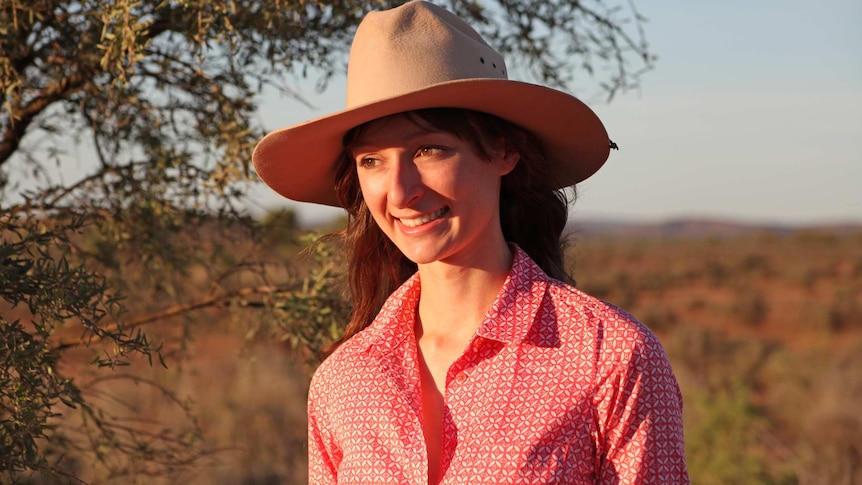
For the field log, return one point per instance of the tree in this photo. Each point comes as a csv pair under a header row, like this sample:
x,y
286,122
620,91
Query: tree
x,y
153,104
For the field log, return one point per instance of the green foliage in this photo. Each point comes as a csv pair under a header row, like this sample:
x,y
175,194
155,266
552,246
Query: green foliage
x,y
38,271
280,226
27,395
723,425
723,446
832,449
314,315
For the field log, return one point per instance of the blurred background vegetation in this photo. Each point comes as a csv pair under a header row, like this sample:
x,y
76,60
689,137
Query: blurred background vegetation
x,y
763,329
152,332
764,332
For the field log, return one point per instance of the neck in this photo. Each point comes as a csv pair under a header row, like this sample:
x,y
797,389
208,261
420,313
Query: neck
x,y
455,298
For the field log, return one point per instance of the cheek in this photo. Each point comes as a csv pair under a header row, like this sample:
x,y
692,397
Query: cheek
x,y
367,189
482,182
374,196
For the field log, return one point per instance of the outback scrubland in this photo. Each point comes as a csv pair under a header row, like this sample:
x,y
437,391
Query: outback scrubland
x,y
763,329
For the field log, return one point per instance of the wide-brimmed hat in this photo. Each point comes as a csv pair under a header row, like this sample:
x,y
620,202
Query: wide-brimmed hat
x,y
419,56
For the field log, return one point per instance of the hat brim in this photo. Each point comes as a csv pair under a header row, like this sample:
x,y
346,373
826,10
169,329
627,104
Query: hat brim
x,y
299,161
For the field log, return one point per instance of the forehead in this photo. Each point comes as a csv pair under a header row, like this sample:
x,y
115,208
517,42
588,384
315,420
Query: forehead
x,y
394,129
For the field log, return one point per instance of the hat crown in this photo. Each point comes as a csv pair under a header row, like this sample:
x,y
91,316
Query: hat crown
x,y
412,47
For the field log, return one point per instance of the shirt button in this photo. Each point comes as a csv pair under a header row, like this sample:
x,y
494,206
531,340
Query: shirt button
x,y
461,377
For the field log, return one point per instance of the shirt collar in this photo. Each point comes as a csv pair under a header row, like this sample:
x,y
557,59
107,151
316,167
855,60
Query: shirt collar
x,y
394,323
511,315
508,320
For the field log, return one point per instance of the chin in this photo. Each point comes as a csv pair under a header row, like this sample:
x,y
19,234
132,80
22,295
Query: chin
x,y
419,259
421,255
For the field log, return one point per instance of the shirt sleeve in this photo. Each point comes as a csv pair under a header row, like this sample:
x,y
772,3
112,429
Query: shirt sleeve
x,y
321,463
639,406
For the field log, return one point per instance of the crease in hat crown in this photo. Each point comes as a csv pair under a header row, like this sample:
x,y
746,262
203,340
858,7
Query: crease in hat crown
x,y
437,45
416,56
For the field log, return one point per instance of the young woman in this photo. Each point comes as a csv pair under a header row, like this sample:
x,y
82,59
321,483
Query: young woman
x,y
469,358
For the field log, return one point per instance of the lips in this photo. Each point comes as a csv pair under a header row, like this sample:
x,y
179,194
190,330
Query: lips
x,y
424,219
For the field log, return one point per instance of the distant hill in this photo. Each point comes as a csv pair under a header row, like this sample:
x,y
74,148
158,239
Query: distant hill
x,y
672,228
686,228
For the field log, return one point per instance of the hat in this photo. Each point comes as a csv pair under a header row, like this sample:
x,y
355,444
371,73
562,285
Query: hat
x,y
420,56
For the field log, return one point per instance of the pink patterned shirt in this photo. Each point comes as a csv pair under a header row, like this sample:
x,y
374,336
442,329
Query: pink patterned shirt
x,y
555,387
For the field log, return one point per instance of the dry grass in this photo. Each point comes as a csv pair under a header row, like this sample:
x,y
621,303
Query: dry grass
x,y
765,335
764,332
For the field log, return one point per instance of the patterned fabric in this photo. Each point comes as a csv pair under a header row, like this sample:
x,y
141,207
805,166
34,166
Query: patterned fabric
x,y
555,387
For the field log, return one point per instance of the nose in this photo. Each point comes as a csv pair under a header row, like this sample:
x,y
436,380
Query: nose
x,y
405,185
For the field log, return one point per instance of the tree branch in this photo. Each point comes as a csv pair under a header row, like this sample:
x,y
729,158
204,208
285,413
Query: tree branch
x,y
171,312
19,119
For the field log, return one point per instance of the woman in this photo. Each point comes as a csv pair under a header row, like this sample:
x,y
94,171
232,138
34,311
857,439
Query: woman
x,y
468,358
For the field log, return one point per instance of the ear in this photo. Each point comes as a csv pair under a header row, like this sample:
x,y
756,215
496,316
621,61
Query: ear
x,y
505,158
510,159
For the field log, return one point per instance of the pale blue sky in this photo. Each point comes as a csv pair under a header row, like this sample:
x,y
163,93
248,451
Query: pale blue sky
x,y
753,113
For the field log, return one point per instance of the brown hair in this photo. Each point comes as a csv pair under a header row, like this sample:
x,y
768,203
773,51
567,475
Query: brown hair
x,y
533,213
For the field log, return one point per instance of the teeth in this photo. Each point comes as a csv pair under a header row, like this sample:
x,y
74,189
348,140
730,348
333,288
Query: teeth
x,y
418,221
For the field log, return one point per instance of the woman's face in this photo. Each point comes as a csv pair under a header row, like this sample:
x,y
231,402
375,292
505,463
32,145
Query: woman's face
x,y
430,192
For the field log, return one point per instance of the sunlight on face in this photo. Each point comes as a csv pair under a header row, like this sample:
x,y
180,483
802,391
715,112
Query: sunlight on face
x,y
429,191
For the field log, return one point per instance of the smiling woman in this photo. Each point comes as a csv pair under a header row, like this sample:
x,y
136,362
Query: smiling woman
x,y
469,358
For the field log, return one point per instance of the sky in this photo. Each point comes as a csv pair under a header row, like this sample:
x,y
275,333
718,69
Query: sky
x,y
752,113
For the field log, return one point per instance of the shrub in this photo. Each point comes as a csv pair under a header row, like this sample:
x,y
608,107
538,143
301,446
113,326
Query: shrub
x,y
749,306
845,310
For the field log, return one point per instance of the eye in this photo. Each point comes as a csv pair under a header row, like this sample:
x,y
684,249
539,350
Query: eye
x,y
430,151
367,162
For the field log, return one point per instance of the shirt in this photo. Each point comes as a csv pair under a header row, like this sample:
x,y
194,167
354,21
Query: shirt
x,y
554,387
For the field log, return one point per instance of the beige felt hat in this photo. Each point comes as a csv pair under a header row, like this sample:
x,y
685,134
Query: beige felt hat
x,y
418,56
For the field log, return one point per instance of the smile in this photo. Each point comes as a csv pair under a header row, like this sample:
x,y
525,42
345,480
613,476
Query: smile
x,y
418,221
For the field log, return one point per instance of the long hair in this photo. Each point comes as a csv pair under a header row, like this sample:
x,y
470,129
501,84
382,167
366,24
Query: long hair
x,y
533,212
